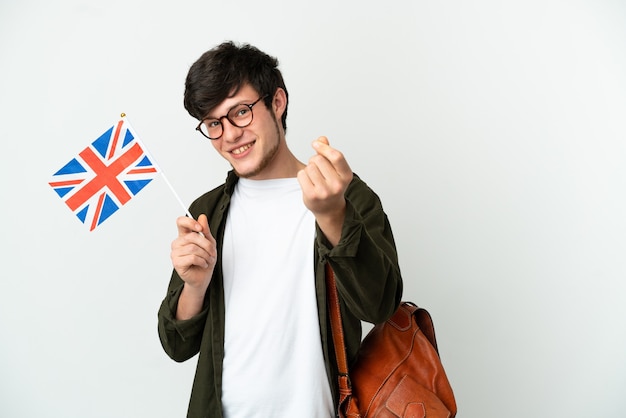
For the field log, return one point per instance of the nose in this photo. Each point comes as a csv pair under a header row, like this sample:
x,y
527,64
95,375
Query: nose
x,y
230,132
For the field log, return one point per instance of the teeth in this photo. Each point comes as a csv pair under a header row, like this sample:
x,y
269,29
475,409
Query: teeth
x,y
241,149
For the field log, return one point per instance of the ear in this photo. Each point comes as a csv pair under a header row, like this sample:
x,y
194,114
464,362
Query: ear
x,y
279,103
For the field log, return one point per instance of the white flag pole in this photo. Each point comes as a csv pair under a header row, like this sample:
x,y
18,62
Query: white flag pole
x,y
145,149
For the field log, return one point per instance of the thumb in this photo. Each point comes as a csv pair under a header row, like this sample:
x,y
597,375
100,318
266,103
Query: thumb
x,y
204,222
323,140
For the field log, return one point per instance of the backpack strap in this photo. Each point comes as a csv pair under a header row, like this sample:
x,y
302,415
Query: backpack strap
x,y
334,310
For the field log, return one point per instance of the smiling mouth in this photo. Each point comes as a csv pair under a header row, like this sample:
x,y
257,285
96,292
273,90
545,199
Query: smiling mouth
x,y
242,149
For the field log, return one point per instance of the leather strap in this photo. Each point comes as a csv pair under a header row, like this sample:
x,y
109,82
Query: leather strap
x,y
334,310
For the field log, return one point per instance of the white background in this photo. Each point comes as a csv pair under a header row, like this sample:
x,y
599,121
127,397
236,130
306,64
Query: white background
x,y
492,130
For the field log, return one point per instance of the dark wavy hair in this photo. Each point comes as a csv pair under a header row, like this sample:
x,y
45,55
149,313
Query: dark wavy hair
x,y
220,72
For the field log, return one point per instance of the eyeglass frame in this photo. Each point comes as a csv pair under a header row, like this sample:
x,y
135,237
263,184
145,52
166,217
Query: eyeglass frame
x,y
249,106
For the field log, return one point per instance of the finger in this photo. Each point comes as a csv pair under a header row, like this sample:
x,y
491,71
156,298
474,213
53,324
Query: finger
x,y
196,233
192,249
323,140
186,225
183,262
323,173
334,156
206,231
304,180
318,170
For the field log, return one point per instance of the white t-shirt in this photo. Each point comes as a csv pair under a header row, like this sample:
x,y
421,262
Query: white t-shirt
x,y
273,361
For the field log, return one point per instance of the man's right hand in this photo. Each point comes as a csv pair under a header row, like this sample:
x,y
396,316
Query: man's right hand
x,y
194,256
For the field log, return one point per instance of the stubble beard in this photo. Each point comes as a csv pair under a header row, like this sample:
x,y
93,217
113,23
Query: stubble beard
x,y
267,158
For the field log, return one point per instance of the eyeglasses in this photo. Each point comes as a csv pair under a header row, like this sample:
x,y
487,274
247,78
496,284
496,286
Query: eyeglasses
x,y
239,116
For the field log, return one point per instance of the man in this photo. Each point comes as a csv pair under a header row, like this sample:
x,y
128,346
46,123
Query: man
x,y
247,292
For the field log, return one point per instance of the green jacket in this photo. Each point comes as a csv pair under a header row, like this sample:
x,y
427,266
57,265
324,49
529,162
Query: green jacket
x,y
368,282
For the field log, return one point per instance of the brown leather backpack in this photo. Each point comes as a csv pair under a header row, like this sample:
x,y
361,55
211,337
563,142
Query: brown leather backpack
x,y
398,372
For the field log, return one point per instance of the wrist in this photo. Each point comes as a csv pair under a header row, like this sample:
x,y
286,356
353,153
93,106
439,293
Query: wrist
x,y
331,224
194,292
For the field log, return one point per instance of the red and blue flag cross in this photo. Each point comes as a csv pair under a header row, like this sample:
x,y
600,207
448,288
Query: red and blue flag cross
x,y
104,176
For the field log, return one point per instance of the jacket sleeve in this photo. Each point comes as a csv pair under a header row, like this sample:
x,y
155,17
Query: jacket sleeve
x,y
180,339
365,260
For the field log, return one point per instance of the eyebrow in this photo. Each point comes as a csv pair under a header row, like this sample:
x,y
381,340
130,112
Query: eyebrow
x,y
243,102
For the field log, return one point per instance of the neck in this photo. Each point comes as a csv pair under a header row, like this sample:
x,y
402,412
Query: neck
x,y
283,164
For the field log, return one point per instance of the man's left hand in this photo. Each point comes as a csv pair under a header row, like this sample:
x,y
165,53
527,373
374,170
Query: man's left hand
x,y
324,182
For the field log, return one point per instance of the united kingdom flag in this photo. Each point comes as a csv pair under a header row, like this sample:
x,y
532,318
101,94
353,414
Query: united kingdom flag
x,y
105,175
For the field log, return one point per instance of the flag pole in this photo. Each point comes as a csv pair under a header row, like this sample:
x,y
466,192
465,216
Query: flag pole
x,y
152,159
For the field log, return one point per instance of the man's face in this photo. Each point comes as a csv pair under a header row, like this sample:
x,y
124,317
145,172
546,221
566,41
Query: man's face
x,y
252,151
